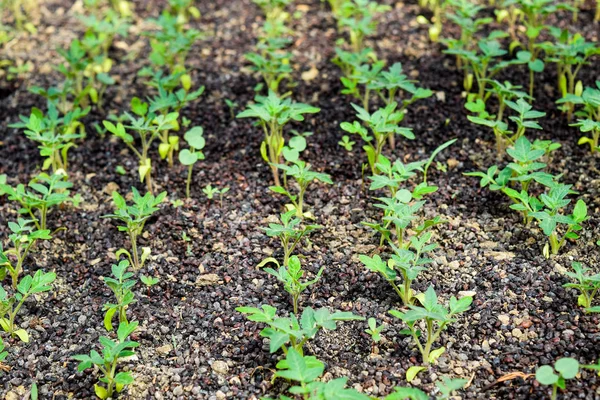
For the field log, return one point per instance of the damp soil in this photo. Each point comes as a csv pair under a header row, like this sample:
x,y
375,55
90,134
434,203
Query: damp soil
x,y
193,343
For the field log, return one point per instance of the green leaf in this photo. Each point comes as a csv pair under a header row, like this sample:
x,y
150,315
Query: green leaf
x,y
435,354
22,334
194,137
567,367
412,372
546,376
186,157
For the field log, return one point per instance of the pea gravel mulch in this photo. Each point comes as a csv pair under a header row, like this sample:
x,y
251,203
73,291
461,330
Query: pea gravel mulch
x,y
194,345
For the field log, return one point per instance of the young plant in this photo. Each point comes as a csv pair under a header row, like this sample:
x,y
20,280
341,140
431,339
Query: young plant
x,y
525,169
346,143
272,61
149,281
148,127
306,371
357,17
86,71
435,316
134,217
55,135
290,275
383,123
10,306
211,191
408,262
589,114
273,114
108,361
120,284
195,139
272,9
463,14
169,99
564,369
550,217
46,191
291,333
171,42
23,238
509,96
290,233
374,330
570,53
302,174
482,64
393,85
586,283
363,76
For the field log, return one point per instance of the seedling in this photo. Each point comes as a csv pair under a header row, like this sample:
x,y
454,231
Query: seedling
x,y
525,169
448,386
306,371
190,156
365,76
505,93
86,70
10,306
134,217
550,217
465,17
167,101
436,318
171,42
483,64
290,275
23,12
184,10
357,17
346,143
107,363
272,9
46,191
393,85
211,191
570,53
303,176
148,127
409,262
232,105
272,61
374,330
149,281
383,123
121,284
586,283
273,113
564,369
589,114
23,238
290,233
291,333
55,135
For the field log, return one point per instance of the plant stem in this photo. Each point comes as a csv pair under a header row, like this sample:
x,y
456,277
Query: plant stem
x,y
189,181
133,238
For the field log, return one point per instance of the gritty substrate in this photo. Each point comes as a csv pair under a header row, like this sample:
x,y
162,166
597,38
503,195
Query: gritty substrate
x,y
193,343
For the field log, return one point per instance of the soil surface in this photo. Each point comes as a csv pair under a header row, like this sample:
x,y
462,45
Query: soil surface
x,y
193,343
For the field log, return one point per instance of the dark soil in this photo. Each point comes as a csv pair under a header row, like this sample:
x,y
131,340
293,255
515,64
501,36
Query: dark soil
x,y
193,343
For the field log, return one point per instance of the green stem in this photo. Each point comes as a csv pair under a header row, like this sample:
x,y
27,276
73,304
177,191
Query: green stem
x,y
189,181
